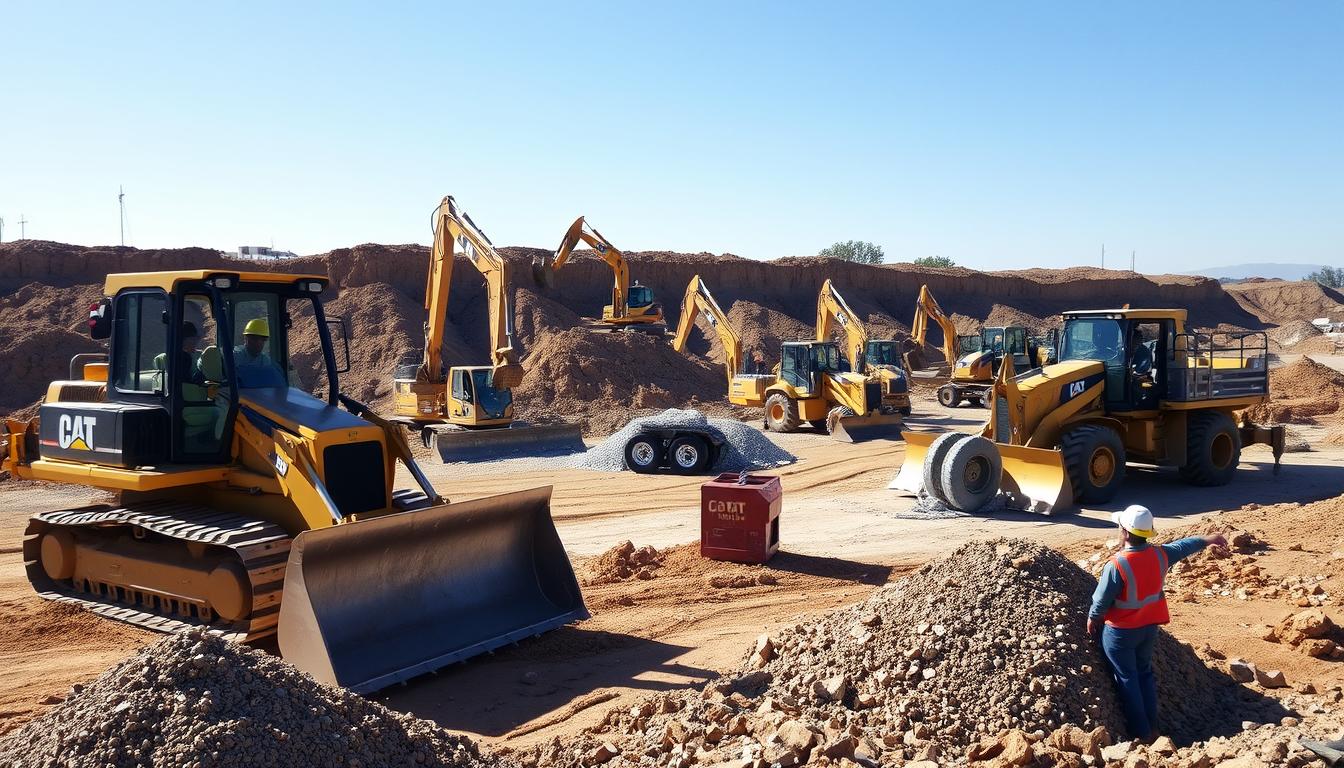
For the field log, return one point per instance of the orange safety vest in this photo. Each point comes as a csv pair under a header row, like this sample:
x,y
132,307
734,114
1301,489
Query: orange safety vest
x,y
1142,601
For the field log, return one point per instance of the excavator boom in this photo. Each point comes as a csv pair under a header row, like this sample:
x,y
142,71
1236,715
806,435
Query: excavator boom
x,y
926,309
620,311
699,300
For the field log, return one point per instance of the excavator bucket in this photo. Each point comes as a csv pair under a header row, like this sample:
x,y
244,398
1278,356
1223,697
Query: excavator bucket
x,y
375,602
911,477
858,429
1034,479
454,445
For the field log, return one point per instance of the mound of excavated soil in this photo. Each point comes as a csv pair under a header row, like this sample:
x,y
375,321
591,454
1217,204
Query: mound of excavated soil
x,y
621,562
1294,332
196,700
1282,302
1305,392
41,328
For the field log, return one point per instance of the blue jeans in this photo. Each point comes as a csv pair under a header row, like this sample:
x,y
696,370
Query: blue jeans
x,y
1130,652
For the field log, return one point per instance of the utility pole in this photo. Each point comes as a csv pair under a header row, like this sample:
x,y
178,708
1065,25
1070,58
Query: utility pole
x,y
1103,255
2,229
121,208
23,230
1131,261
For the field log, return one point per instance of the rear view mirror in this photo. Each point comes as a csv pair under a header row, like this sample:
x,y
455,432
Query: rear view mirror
x,y
100,319
339,349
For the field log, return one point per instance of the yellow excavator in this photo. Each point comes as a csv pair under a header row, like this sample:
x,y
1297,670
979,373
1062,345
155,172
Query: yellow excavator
x,y
1131,386
252,508
809,384
632,307
465,412
879,358
926,311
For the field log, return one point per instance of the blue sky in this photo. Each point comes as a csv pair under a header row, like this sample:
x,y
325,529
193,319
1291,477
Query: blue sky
x,y
1000,135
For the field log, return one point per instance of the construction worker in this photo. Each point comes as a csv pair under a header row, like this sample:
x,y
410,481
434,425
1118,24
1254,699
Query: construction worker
x,y
255,368
1130,602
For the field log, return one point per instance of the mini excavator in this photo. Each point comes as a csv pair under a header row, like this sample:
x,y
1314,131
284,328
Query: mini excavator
x,y
810,384
247,506
632,307
465,413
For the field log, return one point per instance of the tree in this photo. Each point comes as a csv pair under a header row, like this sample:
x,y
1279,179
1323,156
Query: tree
x,y
934,261
1330,277
856,251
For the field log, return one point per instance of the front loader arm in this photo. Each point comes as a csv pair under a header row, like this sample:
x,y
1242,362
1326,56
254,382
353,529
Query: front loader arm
x,y
699,300
832,310
454,230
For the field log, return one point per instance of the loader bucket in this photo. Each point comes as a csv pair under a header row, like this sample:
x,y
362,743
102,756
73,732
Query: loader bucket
x,y
858,429
375,602
911,477
1034,479
489,444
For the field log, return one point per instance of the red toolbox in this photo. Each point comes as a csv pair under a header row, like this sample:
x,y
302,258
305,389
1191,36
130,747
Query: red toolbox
x,y
739,517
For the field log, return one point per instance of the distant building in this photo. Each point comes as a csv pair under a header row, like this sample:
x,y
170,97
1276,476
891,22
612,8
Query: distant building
x,y
260,252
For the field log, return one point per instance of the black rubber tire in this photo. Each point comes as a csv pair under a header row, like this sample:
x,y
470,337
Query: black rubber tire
x,y
1212,449
643,454
907,410
1088,449
970,474
781,413
933,463
682,448
948,396
834,416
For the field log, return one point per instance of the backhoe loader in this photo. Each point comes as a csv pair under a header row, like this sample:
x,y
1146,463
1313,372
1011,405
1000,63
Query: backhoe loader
x,y
632,307
1132,386
982,355
464,412
879,358
247,506
809,385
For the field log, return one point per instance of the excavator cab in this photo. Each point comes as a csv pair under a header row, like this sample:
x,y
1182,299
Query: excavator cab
x,y
640,296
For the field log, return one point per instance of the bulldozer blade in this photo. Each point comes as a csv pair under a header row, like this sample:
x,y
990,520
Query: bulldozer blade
x,y
858,429
911,477
454,445
1034,479
1332,752
379,601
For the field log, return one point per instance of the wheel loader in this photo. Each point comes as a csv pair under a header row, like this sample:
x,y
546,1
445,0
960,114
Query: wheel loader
x,y
1132,386
245,505
810,385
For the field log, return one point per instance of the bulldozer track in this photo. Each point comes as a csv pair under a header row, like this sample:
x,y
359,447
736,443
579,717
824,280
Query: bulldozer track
x,y
262,548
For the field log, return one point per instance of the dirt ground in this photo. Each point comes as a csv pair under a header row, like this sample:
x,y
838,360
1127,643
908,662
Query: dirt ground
x,y
843,534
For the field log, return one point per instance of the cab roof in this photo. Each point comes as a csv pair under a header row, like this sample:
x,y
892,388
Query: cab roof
x,y
1128,314
167,280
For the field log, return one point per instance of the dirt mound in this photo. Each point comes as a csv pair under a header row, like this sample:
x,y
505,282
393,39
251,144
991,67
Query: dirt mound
x,y
1294,332
1281,302
41,328
621,562
197,700
1305,392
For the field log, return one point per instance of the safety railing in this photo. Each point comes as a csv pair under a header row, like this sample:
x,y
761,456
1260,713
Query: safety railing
x,y
1214,366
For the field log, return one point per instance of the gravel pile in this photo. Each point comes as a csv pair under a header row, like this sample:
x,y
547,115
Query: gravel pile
x,y
745,447
981,653
197,700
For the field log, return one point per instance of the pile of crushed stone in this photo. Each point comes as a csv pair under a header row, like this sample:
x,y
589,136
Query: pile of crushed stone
x,y
744,446
985,641
196,700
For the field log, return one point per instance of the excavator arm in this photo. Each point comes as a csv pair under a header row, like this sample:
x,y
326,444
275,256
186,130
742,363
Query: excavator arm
x,y
926,309
698,299
543,268
832,311
455,231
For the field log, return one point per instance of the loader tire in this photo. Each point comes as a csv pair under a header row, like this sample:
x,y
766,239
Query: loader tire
x,y
1212,449
781,413
907,410
933,463
948,396
1094,457
970,474
643,454
688,455
834,416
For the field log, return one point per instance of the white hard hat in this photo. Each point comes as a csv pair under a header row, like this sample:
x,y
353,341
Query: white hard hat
x,y
1137,519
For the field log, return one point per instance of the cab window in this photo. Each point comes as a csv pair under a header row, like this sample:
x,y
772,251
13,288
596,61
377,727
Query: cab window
x,y
640,296
461,392
140,340
1016,339
259,352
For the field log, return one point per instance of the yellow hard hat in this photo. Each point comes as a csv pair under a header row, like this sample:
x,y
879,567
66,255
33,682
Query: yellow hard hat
x,y
257,327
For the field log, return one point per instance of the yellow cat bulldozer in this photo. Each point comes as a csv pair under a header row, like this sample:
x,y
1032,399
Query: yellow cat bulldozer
x,y
810,385
246,505
1131,386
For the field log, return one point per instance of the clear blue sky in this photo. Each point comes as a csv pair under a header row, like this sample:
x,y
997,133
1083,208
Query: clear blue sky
x,y
1002,135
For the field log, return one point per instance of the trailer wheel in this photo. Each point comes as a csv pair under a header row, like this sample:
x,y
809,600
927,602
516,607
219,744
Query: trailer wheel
x,y
781,413
948,396
970,474
907,410
1094,457
643,453
933,463
1212,449
688,455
